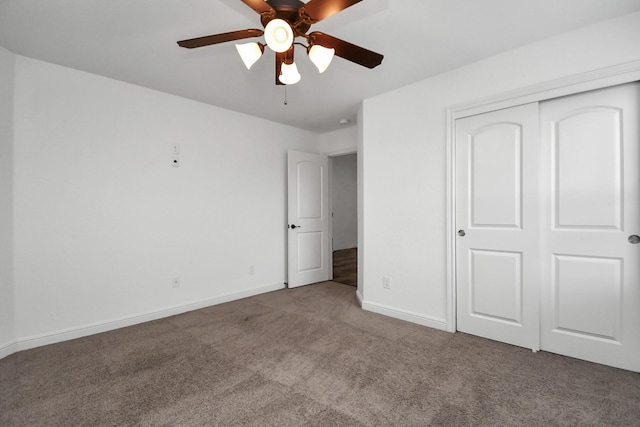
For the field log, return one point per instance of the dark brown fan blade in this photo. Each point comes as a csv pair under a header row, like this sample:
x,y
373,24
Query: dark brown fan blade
x,y
259,6
346,50
220,38
317,10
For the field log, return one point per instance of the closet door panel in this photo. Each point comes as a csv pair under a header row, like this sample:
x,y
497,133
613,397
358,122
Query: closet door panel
x,y
497,215
591,206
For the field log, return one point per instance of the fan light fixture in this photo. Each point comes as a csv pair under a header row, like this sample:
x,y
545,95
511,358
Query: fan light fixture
x,y
289,74
283,21
279,35
321,56
250,53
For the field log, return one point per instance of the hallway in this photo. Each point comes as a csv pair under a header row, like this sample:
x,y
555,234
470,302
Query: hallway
x,y
345,266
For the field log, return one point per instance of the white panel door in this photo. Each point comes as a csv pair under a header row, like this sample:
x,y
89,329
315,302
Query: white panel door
x,y
497,218
591,210
308,218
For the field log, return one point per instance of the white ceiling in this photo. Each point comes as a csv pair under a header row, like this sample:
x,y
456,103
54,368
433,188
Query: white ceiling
x,y
135,41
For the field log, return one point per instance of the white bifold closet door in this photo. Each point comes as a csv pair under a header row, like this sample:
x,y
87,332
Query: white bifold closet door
x,y
548,200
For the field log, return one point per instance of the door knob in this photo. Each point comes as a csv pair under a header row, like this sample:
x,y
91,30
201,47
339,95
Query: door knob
x,y
634,239
461,233
293,226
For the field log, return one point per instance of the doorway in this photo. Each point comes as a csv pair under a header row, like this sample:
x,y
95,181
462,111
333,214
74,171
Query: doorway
x,y
344,218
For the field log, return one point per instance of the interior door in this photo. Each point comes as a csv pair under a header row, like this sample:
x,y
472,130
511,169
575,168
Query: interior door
x,y
497,218
309,259
591,261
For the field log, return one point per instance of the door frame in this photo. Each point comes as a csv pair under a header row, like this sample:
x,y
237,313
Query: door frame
x,y
330,155
583,82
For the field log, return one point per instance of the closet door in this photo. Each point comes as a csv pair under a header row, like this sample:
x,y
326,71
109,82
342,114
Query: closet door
x,y
590,302
497,223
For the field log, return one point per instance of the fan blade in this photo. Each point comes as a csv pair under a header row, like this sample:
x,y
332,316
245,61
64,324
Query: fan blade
x,y
317,10
346,50
220,38
259,6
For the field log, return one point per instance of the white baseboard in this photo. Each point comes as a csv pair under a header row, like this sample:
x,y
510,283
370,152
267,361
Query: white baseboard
x,y
432,322
8,348
96,328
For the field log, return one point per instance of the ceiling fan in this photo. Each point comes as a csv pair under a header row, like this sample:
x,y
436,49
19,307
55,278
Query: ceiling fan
x,y
283,22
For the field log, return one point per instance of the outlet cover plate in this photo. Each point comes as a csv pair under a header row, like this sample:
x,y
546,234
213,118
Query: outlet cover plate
x,y
386,282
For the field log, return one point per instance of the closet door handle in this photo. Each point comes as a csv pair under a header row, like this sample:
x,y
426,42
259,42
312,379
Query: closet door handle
x,y
461,233
634,239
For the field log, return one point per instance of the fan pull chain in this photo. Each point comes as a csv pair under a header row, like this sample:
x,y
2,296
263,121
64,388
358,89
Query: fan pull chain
x,y
285,95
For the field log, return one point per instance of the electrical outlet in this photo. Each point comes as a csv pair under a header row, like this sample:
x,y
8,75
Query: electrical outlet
x,y
252,270
386,282
175,282
175,149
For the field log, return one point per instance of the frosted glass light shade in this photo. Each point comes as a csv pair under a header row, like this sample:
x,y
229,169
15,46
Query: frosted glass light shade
x,y
321,56
279,35
289,74
250,53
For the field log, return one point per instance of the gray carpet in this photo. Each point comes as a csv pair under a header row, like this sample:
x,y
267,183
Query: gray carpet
x,y
306,356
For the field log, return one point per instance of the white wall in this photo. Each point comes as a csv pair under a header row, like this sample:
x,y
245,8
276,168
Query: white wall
x,y
344,201
7,325
339,141
404,160
103,222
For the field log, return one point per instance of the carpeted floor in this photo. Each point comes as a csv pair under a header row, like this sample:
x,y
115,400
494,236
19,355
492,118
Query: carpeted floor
x,y
305,356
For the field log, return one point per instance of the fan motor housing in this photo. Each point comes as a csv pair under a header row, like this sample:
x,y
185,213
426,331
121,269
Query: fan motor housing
x,y
288,11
